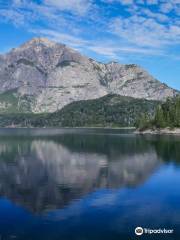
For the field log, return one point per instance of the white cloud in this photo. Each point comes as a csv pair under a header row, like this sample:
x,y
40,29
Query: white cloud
x,y
126,2
17,2
107,51
147,27
77,7
12,15
123,2
142,31
105,48
74,6
159,16
152,2
75,42
114,51
166,7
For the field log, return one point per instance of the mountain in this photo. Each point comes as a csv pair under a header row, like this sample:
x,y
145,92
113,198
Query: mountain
x,y
107,111
44,76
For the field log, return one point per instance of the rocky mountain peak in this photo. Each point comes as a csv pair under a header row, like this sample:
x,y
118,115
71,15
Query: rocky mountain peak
x,y
55,75
43,54
39,42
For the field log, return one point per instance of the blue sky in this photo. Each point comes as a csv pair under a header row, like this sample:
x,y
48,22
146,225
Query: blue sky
x,y
145,32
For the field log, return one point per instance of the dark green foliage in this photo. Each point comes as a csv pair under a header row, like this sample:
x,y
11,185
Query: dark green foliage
x,y
22,120
111,110
167,147
65,63
12,102
129,66
167,115
25,62
143,121
79,86
108,111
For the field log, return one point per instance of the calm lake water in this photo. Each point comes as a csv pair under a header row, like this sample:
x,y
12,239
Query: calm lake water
x,y
87,184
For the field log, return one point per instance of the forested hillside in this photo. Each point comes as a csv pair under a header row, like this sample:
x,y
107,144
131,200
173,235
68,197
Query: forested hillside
x,y
167,115
108,111
111,110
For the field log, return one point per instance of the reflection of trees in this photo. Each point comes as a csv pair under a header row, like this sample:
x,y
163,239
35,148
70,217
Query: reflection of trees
x,y
168,148
110,145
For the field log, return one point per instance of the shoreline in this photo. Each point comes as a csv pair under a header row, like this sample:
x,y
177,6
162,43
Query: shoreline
x,y
110,128
163,131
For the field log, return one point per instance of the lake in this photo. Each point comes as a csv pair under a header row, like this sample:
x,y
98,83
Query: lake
x,y
88,184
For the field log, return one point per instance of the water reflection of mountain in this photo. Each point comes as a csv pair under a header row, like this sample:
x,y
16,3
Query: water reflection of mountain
x,y
42,173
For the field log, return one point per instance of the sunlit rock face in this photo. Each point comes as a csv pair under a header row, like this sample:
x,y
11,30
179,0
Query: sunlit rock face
x,y
54,75
43,174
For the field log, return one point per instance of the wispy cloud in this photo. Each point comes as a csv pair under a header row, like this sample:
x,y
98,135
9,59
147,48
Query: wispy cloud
x,y
12,15
147,26
75,6
62,37
143,27
145,32
107,48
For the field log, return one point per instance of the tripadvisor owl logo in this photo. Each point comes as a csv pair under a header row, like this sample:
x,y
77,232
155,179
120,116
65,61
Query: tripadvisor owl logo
x,y
139,231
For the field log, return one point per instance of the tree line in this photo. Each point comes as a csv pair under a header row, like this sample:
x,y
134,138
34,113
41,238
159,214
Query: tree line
x,y
167,114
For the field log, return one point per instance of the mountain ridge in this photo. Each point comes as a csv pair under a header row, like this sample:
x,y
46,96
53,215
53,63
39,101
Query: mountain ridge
x,y
53,75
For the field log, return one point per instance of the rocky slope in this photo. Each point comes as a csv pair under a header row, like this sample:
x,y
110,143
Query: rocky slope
x,y
44,76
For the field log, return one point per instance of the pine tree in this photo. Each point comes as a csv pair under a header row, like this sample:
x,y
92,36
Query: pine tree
x,y
159,118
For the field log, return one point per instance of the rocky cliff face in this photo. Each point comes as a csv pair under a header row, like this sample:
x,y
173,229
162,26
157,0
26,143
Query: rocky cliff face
x,y
47,76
